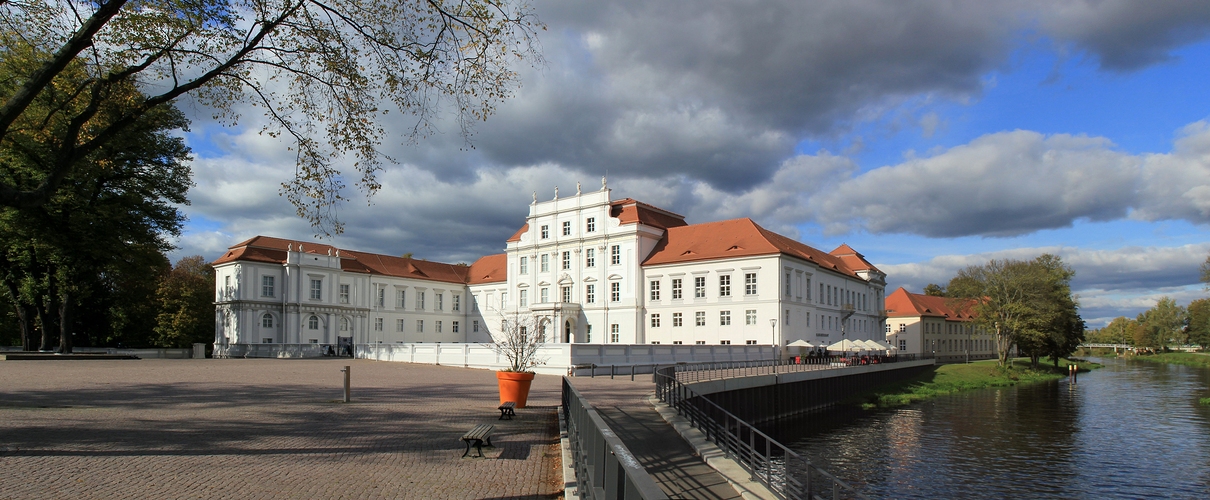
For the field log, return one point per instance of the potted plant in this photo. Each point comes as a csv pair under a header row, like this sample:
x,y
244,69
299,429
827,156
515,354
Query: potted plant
x,y
518,340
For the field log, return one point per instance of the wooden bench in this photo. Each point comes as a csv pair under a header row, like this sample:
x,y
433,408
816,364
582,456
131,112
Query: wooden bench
x,y
507,409
481,433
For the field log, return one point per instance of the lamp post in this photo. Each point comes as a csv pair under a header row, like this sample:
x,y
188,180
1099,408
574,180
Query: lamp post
x,y
776,343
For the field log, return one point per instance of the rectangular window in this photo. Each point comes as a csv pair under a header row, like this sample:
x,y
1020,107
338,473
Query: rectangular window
x,y
821,295
566,294
676,288
750,317
676,319
724,285
700,342
808,289
615,291
749,283
545,263
266,286
724,318
902,345
786,322
524,298
475,326
438,329
440,300
750,342
724,342
590,257
591,225
566,260
382,297
615,254
454,326
614,333
588,333
399,326
316,288
677,342
590,294
503,300
401,299
419,326
524,265
699,318
566,228
655,289
699,287
266,341
787,286
545,232
419,301
457,302
545,294
378,324
655,320
344,294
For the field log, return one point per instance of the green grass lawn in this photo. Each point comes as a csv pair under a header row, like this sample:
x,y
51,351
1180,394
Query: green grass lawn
x,y
948,379
1197,359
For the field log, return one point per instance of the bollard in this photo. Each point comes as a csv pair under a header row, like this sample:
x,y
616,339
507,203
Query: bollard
x,y
346,372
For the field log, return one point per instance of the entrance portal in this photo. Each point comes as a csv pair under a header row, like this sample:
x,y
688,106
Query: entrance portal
x,y
567,332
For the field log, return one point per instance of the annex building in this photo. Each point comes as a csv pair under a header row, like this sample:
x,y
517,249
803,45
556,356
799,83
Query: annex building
x,y
586,268
942,326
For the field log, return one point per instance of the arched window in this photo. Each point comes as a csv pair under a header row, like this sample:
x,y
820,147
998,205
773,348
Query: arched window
x,y
344,324
266,320
313,322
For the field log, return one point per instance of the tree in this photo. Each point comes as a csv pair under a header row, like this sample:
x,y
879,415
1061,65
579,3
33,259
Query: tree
x,y
119,202
1026,303
1164,324
1119,331
1198,329
318,70
186,304
934,290
1206,272
518,340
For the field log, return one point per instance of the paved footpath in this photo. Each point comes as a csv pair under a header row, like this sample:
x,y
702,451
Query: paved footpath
x,y
252,428
663,453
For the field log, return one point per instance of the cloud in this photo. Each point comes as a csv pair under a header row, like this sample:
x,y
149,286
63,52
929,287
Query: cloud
x,y
1109,283
1126,35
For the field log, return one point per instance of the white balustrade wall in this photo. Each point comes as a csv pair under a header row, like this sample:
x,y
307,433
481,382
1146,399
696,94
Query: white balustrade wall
x,y
558,359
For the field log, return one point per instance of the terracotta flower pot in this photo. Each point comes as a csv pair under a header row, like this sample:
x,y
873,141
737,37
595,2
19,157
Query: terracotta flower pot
x,y
514,386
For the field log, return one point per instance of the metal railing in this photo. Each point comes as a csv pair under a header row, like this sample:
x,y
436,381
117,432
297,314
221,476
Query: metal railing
x,y
700,372
605,468
783,471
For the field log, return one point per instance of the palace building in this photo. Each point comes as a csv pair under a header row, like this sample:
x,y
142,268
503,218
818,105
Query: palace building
x,y
942,326
586,268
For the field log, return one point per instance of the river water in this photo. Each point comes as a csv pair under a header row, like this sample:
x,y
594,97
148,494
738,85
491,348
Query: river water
x,y
1128,430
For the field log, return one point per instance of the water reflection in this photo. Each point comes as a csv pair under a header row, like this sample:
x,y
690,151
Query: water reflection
x,y
1130,430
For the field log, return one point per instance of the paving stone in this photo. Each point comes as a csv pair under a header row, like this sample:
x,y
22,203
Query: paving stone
x,y
258,428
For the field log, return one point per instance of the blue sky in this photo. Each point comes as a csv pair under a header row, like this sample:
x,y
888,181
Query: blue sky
x,y
927,135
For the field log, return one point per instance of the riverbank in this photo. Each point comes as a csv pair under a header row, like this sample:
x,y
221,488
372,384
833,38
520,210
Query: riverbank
x,y
958,377
1196,359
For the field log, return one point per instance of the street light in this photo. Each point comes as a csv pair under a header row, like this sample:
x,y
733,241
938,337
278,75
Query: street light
x,y
776,343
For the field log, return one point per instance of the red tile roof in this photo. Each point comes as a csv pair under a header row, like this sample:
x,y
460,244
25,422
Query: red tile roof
x,y
852,259
273,250
631,211
517,235
489,269
742,238
902,303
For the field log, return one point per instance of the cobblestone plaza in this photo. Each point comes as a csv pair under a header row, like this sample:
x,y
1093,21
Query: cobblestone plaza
x,y
266,428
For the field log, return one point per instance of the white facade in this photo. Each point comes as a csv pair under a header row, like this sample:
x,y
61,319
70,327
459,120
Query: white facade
x,y
589,269
310,299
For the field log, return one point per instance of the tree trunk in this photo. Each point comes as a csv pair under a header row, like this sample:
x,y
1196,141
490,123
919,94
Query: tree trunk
x,y
25,317
46,322
65,325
